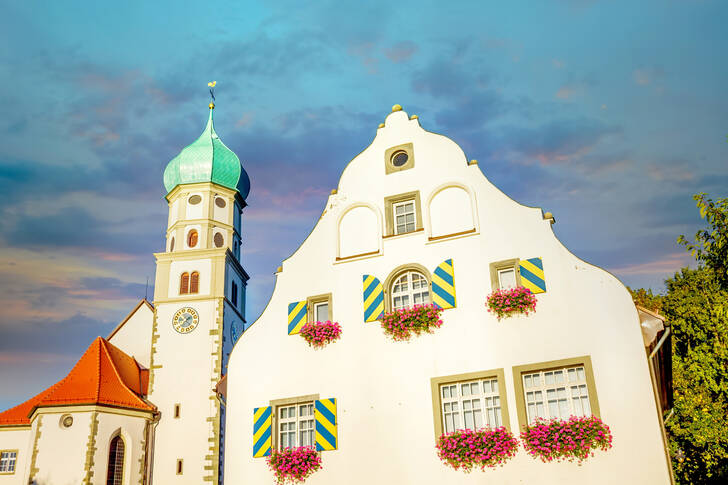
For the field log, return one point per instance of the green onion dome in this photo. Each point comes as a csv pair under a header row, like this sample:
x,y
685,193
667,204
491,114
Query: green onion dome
x,y
207,159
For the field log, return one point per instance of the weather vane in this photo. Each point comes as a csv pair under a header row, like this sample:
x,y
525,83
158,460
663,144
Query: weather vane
x,y
211,85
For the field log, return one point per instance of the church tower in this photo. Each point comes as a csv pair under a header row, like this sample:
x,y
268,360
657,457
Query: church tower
x,y
199,302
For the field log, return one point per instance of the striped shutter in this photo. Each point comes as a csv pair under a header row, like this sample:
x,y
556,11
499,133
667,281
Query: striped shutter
x,y
261,432
532,275
373,298
326,432
296,316
443,285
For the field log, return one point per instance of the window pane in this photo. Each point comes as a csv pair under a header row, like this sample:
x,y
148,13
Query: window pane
x,y
445,392
507,278
449,423
548,378
465,390
559,375
322,312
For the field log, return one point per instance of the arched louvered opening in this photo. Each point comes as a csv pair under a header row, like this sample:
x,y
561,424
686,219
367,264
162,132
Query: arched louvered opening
x,y
184,283
195,282
192,239
115,475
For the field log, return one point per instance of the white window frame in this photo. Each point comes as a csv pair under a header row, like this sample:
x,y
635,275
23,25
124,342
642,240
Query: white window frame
x,y
424,291
296,425
500,279
566,393
457,402
316,307
8,463
403,203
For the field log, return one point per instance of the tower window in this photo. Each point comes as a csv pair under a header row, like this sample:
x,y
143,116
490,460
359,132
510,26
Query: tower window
x,y
115,475
234,294
219,239
192,238
171,245
177,410
179,466
184,283
220,202
194,200
195,282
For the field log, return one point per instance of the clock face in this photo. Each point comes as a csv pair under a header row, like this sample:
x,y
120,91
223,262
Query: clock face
x,y
185,320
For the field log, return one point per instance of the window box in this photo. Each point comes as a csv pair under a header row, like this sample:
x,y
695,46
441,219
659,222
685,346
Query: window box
x,y
294,465
572,439
320,334
512,301
403,323
483,448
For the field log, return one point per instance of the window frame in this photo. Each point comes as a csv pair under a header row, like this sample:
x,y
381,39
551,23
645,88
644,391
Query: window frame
x,y
184,289
276,404
389,167
389,203
498,266
15,462
396,273
437,382
311,303
582,361
404,203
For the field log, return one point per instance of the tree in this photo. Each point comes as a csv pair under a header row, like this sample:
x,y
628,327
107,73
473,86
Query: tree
x,y
711,244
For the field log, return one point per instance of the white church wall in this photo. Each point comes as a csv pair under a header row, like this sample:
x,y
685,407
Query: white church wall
x,y
134,335
61,451
132,431
19,440
383,388
195,210
221,214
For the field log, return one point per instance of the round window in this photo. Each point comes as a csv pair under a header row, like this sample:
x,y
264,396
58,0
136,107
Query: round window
x,y
66,421
220,202
194,200
399,158
219,239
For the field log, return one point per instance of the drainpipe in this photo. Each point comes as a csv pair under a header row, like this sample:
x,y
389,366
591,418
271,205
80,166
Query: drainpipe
x,y
151,432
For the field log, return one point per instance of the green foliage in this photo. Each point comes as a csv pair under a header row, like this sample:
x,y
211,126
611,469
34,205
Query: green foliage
x,y
646,299
711,244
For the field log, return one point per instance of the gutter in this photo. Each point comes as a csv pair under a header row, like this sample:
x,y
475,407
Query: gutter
x,y
151,433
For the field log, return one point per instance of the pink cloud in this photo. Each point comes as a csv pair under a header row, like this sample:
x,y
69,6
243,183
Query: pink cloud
x,y
665,266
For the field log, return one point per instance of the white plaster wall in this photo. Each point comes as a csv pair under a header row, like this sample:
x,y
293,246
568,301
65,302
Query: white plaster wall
x,y
61,455
450,212
135,336
383,387
185,376
173,212
202,266
132,430
359,231
221,214
195,211
16,439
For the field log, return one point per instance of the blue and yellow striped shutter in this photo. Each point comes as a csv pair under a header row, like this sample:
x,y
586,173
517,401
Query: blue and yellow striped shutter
x,y
532,275
326,433
296,316
373,298
261,432
443,285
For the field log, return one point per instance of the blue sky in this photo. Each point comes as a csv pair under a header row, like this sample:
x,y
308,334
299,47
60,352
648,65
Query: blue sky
x,y
608,114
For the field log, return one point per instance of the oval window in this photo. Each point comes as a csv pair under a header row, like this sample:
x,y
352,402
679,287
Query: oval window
x,y
219,239
171,245
192,239
220,202
399,158
194,200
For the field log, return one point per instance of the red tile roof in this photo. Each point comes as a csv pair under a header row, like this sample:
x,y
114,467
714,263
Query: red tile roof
x,y
103,375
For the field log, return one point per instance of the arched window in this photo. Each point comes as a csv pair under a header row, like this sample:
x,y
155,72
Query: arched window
x,y
192,238
184,283
116,461
195,282
409,288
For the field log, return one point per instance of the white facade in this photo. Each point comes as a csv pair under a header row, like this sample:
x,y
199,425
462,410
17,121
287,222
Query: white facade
x,y
134,333
384,389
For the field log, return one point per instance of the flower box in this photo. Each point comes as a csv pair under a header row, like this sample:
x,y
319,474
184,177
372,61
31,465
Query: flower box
x,y
402,324
320,334
294,465
566,440
483,448
511,301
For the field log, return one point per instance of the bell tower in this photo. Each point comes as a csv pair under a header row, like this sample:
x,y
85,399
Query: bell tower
x,y
199,308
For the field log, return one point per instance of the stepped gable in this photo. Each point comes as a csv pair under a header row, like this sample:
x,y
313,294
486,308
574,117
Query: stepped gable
x,y
103,375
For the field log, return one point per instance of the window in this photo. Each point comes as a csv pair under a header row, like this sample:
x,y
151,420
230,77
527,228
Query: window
x,y
219,239
7,461
555,389
403,214
469,401
177,409
192,238
66,421
504,274
410,288
404,217
220,202
115,474
194,199
398,158
234,294
319,308
171,245
184,283
296,425
179,466
195,282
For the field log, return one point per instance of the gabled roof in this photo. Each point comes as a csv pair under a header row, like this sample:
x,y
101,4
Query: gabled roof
x,y
103,375
143,301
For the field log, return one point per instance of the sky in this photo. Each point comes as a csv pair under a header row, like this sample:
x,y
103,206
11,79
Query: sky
x,y
608,114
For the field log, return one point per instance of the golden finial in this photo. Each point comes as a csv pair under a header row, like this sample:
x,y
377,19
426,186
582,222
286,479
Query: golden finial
x,y
473,162
211,85
396,107
381,125
414,117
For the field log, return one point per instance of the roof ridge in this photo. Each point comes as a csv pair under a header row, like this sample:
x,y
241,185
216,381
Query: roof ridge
x,y
116,371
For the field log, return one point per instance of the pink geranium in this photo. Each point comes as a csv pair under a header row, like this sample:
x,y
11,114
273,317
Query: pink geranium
x,y
294,465
572,439
465,449
510,301
401,324
319,334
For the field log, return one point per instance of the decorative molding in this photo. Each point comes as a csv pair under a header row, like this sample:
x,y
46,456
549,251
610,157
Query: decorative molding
x,y
155,337
88,467
33,468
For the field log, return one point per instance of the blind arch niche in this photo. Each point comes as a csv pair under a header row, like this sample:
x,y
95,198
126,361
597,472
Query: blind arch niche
x,y
359,231
451,211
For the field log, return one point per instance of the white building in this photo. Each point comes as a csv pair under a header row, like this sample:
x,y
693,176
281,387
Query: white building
x,y
411,221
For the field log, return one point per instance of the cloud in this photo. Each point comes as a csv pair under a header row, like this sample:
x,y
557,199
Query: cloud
x,y
647,75
401,51
667,264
